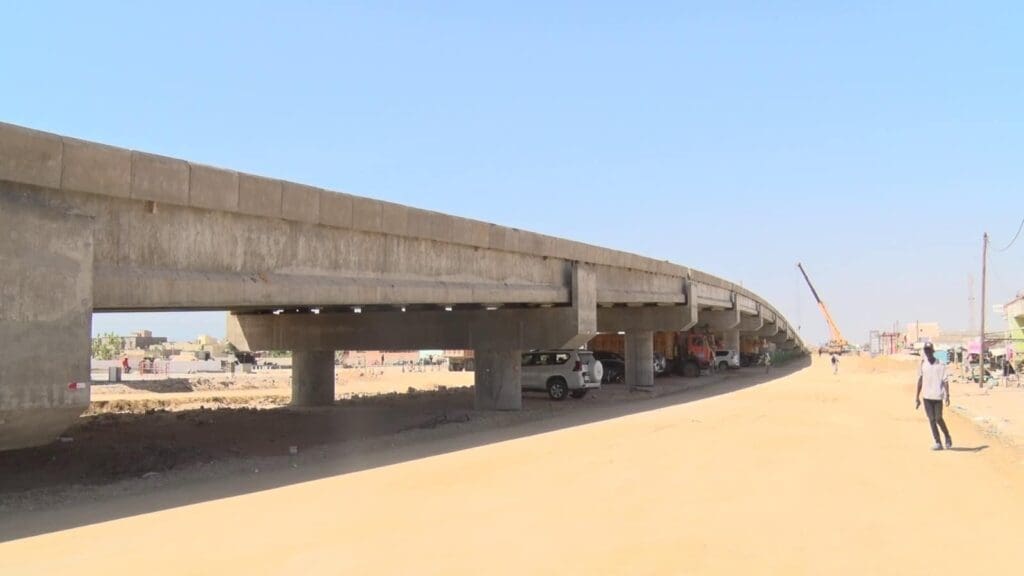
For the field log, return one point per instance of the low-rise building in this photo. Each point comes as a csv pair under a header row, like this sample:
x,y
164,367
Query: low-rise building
x,y
1014,311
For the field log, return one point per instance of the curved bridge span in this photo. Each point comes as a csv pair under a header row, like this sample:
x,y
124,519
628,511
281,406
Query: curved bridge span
x,y
89,227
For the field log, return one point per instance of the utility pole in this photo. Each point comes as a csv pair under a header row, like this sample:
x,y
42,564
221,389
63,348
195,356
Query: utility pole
x,y
981,340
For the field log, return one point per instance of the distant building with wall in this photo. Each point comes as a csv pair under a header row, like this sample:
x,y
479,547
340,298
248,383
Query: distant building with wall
x,y
922,332
956,338
142,340
1014,310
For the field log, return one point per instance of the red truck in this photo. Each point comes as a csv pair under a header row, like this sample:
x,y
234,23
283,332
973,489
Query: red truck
x,y
694,352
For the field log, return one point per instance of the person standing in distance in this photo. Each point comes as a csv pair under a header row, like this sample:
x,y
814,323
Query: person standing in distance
x,y
835,364
931,379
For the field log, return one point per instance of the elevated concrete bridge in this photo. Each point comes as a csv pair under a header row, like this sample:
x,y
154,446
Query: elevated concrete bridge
x,y
86,227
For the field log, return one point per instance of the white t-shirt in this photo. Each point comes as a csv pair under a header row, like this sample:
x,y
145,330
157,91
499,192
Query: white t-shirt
x,y
932,376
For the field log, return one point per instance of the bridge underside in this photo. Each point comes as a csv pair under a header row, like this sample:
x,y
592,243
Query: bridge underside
x,y
89,228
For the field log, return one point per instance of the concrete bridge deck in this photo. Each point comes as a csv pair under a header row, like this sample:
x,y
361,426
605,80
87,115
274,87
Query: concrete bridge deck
x,y
89,227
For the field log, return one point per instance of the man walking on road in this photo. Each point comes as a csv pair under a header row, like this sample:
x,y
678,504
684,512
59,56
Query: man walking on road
x,y
931,378
835,364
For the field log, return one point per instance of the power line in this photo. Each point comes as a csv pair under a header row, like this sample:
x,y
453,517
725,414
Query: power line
x,y
1015,236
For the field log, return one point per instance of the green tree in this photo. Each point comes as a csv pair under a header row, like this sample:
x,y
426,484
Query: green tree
x,y
107,346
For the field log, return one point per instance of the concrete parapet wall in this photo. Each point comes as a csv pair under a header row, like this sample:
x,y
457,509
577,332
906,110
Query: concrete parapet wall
x,y
39,158
625,286
747,305
173,257
96,169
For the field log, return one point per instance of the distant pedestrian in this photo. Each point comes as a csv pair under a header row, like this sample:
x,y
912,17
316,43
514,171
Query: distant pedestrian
x,y
124,365
931,379
835,364
767,362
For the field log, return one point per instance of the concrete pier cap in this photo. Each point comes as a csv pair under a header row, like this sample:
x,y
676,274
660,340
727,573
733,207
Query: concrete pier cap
x,y
720,320
496,336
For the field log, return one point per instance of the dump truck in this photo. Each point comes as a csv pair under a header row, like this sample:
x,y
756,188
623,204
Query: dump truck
x,y
694,352
460,360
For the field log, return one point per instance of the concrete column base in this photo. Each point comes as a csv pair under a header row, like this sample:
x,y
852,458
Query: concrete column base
x,y
497,379
732,340
640,360
313,378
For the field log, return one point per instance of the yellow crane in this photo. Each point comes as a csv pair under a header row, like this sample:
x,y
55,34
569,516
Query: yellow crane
x,y
837,344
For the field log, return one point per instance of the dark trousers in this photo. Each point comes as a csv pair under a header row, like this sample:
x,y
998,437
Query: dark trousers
x,y
933,408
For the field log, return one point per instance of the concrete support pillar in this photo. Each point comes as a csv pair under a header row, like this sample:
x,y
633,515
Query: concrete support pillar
x,y
46,286
732,340
640,359
312,377
497,379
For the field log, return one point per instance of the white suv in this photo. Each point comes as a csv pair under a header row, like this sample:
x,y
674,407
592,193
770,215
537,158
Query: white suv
x,y
561,373
726,359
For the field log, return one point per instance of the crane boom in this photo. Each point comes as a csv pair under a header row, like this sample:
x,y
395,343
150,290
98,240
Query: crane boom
x,y
837,341
813,291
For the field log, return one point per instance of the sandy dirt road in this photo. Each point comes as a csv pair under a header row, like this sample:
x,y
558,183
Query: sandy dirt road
x,y
807,474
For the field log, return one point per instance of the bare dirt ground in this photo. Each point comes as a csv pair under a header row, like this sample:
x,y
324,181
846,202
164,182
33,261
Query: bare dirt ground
x,y
999,409
262,389
809,473
196,424
144,427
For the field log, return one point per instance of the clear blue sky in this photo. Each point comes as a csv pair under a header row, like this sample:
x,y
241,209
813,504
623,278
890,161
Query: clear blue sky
x,y
874,142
